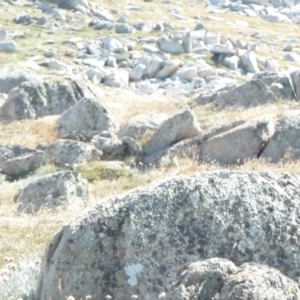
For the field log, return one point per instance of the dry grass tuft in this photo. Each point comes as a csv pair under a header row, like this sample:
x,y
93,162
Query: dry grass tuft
x,y
28,133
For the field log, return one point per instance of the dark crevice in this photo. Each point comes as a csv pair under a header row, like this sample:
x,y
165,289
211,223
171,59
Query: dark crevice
x,y
262,148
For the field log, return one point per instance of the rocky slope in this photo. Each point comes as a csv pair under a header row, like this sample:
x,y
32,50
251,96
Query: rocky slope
x,y
128,87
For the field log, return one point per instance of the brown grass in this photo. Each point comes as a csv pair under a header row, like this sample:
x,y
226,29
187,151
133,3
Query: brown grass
x,y
28,133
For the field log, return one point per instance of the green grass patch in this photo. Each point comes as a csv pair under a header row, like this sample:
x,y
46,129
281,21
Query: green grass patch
x,y
100,171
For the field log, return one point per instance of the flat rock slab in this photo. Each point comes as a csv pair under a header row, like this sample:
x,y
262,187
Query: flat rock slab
x,y
138,244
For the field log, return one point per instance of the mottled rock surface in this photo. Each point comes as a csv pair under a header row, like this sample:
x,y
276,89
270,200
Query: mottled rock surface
x,y
201,280
86,119
250,93
179,127
286,139
38,98
63,189
70,152
240,143
138,244
217,278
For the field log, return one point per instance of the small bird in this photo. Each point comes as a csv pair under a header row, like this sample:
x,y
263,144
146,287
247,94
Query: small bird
x,y
173,168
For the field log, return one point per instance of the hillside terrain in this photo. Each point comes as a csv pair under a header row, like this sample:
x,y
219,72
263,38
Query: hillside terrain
x,y
149,149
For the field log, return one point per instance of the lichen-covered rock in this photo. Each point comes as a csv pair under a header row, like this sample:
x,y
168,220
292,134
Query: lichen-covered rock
x,y
286,139
240,143
86,119
64,189
217,278
255,282
17,161
202,280
138,243
179,127
24,164
38,98
10,151
70,152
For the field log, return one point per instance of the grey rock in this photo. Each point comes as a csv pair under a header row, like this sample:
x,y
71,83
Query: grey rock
x,y
132,147
11,151
107,25
142,125
292,57
202,280
23,19
109,144
285,141
259,281
71,153
167,69
41,21
112,45
145,27
219,49
8,46
154,65
158,230
251,93
17,161
284,79
232,62
140,68
38,98
295,77
240,143
24,164
249,62
123,28
172,46
85,119
64,190
179,127
271,65
187,72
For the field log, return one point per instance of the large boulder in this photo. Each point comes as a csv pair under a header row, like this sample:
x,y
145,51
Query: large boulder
x,y
70,152
284,80
37,98
86,119
11,77
217,278
179,127
250,93
191,148
240,143
17,161
138,243
142,125
286,139
24,164
65,189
